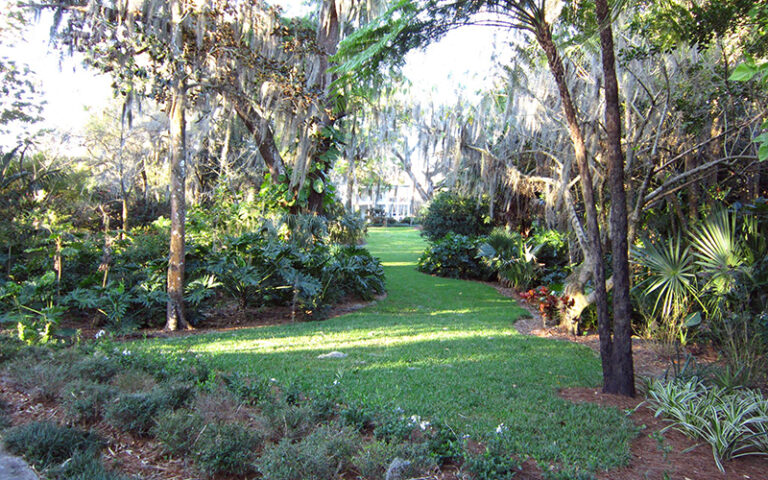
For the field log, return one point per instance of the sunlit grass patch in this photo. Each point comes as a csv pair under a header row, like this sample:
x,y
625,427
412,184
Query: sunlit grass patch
x,y
443,349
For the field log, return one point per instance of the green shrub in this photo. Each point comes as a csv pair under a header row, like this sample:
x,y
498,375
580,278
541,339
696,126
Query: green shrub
x,y
347,229
5,419
352,271
83,466
9,347
84,401
134,412
511,257
46,444
177,431
99,368
394,428
226,449
569,474
323,455
356,416
452,213
134,381
495,463
250,390
454,256
375,457
43,379
443,443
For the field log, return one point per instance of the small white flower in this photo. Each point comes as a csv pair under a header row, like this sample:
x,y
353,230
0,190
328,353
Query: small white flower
x,y
273,380
99,334
501,428
423,424
126,352
335,382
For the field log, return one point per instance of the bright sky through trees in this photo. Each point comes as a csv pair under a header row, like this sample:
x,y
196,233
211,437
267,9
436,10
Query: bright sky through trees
x,y
459,64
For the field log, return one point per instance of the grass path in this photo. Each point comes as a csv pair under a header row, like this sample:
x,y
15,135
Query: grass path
x,y
439,348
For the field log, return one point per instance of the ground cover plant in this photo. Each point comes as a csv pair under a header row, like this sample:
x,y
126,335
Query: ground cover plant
x,y
436,350
733,422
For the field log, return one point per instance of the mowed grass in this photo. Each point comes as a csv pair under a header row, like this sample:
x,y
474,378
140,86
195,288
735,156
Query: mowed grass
x,y
443,349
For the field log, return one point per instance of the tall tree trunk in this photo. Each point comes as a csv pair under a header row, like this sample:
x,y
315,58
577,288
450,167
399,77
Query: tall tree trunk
x,y
620,378
328,35
123,194
175,318
595,250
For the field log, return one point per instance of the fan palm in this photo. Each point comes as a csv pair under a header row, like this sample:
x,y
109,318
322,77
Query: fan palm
x,y
671,275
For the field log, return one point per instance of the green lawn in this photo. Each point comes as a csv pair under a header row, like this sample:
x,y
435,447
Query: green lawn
x,y
439,348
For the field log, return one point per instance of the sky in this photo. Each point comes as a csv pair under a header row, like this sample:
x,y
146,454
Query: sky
x,y
461,61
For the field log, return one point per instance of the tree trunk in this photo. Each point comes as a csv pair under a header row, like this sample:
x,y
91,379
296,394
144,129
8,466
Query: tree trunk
x,y
620,378
595,250
328,35
123,194
175,318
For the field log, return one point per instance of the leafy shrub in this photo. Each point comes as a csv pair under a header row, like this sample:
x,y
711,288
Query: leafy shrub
x,y
452,213
352,271
9,347
443,443
742,337
96,367
84,401
31,306
134,381
177,431
356,416
347,229
511,257
250,390
83,466
42,379
549,304
454,256
569,473
394,428
5,419
492,464
136,412
323,455
45,444
375,457
551,247
226,449
734,423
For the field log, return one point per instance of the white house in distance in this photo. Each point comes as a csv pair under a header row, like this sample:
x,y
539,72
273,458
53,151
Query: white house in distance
x,y
397,201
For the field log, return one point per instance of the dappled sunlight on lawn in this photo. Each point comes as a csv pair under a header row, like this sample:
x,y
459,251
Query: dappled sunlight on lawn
x,y
441,348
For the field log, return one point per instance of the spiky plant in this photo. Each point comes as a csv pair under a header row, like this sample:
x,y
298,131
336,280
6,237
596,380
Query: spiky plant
x,y
671,276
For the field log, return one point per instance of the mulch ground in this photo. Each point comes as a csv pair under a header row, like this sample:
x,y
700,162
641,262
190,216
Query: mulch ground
x,y
671,456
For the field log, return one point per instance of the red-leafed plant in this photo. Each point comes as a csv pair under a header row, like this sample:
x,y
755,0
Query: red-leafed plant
x,y
549,303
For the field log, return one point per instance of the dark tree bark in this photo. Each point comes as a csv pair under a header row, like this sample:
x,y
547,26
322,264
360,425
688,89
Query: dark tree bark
x,y
620,377
555,62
